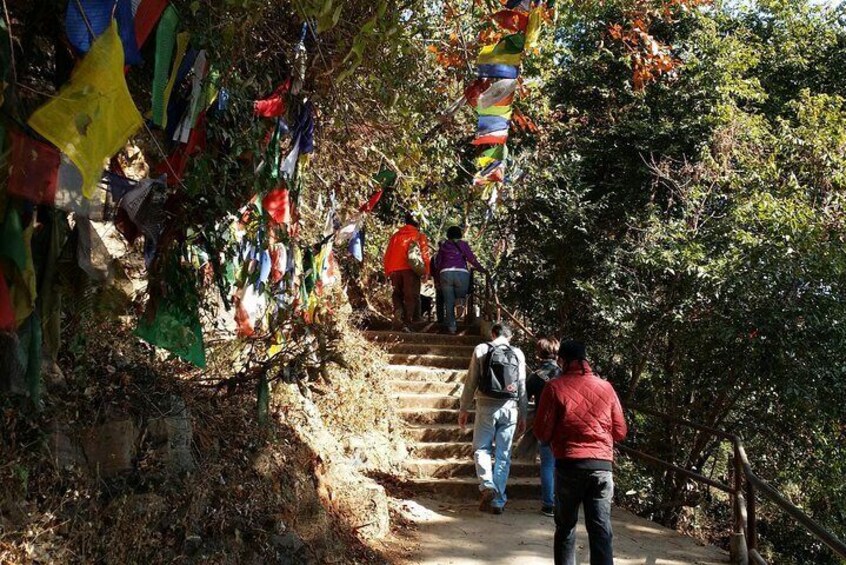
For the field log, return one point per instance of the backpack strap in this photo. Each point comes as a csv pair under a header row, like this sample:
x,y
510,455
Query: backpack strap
x,y
463,256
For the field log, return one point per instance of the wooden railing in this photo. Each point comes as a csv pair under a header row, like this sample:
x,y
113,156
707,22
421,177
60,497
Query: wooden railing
x,y
746,486
745,490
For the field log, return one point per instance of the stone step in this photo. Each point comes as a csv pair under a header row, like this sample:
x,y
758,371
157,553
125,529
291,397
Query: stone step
x,y
426,387
426,401
449,432
462,467
434,361
428,327
443,450
384,337
462,351
427,374
435,416
467,488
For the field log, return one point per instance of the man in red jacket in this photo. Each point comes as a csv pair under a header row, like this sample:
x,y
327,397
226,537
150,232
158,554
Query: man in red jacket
x,y
580,417
405,280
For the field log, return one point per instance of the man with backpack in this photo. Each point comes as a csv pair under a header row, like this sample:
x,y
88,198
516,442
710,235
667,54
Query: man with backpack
x,y
496,380
406,263
580,417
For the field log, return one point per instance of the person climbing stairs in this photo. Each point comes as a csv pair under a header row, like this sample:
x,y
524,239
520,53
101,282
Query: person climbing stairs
x,y
427,371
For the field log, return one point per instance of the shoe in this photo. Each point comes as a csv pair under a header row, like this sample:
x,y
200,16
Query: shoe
x,y
497,510
486,499
406,330
548,511
452,331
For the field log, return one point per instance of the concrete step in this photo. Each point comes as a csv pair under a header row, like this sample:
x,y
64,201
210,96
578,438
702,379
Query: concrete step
x,y
467,488
426,387
443,450
435,361
462,351
426,401
427,374
462,467
387,337
434,416
449,432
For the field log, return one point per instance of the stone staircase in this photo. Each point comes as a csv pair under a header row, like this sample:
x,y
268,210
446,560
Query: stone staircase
x,y
427,371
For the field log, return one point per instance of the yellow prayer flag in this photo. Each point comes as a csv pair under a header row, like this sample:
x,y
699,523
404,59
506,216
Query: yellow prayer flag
x,y
533,28
93,115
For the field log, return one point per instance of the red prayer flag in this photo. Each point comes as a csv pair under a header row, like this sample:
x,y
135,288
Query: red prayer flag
x,y
368,206
149,12
511,20
475,89
277,203
33,169
273,106
7,312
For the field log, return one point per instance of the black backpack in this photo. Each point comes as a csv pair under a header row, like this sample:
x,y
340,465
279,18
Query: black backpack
x,y
500,373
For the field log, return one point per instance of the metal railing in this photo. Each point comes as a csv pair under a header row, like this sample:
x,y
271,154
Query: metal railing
x,y
744,491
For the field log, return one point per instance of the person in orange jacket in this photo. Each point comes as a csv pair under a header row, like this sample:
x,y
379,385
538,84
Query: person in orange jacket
x,y
398,268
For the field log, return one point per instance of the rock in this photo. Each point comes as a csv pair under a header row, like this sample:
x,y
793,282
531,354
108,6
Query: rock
x,y
110,448
65,450
171,438
289,548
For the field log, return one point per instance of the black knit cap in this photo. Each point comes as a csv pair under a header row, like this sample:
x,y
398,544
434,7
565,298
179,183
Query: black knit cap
x,y
572,350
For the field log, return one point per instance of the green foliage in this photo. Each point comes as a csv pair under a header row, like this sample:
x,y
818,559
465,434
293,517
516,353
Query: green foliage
x,y
694,235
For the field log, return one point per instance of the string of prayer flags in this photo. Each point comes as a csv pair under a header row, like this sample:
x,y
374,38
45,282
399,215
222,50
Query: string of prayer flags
x,y
84,17
492,93
93,115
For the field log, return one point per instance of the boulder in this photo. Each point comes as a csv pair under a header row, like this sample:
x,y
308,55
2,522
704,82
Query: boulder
x,y
110,448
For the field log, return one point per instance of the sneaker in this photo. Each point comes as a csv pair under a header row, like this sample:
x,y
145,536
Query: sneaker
x,y
486,499
548,511
497,510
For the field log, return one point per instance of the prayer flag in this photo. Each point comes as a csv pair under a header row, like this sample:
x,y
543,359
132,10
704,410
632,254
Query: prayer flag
x,y
511,20
33,169
277,204
98,15
7,314
488,124
497,93
273,106
498,71
509,51
91,118
165,43
146,14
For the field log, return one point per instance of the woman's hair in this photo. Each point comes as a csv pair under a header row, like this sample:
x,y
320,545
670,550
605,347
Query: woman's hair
x,y
454,232
572,350
547,348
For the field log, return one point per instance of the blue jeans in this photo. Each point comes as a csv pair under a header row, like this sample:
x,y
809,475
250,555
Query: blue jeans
x,y
594,489
493,431
454,285
547,475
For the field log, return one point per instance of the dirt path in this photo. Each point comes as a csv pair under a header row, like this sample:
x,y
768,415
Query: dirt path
x,y
458,534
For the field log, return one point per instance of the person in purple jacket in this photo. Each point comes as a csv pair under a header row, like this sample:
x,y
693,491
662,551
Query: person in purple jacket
x,y
452,264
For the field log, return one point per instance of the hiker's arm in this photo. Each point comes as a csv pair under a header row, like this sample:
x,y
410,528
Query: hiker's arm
x,y
619,429
521,390
472,257
546,416
470,383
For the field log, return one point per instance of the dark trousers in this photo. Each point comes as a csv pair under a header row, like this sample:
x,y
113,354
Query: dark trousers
x,y
439,304
593,489
406,295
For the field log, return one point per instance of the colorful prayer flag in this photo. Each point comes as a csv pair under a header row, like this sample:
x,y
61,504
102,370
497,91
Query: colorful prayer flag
x,y
91,118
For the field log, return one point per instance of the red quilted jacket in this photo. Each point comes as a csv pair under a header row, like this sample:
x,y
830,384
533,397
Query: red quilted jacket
x,y
580,416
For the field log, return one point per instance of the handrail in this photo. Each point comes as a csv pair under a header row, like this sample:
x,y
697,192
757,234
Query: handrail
x,y
745,480
492,301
